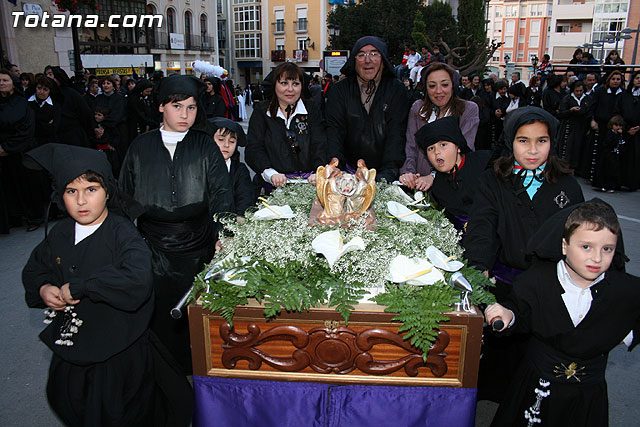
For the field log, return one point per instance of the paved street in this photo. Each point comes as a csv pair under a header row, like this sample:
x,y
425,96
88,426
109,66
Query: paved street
x,y
24,359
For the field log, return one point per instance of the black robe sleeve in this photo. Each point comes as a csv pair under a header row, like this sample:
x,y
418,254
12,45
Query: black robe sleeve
x,y
37,272
17,125
126,284
243,193
256,153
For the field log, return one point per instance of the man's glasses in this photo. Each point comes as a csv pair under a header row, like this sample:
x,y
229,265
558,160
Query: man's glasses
x,y
373,55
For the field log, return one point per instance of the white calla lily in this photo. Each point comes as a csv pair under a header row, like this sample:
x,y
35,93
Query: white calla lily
x,y
417,271
442,261
331,245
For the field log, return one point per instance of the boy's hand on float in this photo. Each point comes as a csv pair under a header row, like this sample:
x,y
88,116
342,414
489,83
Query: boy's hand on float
x,y
632,131
594,125
424,183
65,293
497,311
51,296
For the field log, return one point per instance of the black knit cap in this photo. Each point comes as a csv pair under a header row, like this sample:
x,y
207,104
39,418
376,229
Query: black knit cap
x,y
444,129
180,85
222,123
65,163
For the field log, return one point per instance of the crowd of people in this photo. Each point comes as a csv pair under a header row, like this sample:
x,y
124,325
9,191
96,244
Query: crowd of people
x,y
498,156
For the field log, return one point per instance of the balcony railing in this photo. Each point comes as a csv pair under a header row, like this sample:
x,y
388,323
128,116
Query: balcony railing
x,y
278,55
301,55
160,40
300,25
278,26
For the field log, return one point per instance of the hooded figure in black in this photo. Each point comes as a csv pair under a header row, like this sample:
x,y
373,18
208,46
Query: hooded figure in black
x,y
367,112
452,189
140,115
560,332
212,100
107,367
76,121
180,178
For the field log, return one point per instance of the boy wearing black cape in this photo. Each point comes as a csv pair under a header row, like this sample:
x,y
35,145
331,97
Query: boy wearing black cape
x,y
93,272
179,177
575,307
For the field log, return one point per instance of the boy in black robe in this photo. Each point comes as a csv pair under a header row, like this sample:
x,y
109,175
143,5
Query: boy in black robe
x,y
457,168
179,177
228,135
575,310
93,272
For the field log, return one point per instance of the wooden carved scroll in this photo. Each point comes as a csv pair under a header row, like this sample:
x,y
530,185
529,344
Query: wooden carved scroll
x,y
329,349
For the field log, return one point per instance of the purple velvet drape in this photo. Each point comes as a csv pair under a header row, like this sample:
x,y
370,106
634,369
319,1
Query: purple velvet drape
x,y
243,403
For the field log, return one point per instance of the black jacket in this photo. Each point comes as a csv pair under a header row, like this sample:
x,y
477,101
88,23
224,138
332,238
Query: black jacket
x,y
243,193
603,105
551,100
268,145
17,124
504,217
455,193
378,136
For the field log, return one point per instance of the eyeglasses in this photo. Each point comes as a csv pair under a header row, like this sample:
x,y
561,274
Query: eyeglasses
x,y
293,141
373,55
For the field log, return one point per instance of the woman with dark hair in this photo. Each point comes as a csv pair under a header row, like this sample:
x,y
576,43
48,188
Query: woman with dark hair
x,y
604,103
574,113
629,108
553,94
116,121
612,62
511,201
212,100
577,60
47,109
286,135
17,127
484,102
533,92
76,123
440,101
140,116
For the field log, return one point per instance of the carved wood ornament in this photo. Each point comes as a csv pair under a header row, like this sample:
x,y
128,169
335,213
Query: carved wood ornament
x,y
329,349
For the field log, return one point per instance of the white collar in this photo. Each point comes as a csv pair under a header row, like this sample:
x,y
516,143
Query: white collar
x,y
578,99
228,163
635,92
48,100
300,110
567,282
617,91
498,96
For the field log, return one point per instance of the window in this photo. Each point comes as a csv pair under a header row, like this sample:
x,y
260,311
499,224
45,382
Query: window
x,y
510,27
603,27
247,18
509,54
248,45
219,6
170,21
534,41
498,12
508,41
511,11
222,34
302,20
535,27
203,26
520,55
521,39
537,9
245,1
523,23
279,44
279,24
523,11
187,23
302,44
563,28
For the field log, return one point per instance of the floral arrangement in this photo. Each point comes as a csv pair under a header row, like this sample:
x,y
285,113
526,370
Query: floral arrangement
x,y
275,263
74,5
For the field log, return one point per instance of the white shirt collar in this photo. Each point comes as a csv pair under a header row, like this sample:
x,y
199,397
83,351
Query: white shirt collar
x,y
577,300
579,100
300,110
617,91
636,92
228,163
567,282
48,100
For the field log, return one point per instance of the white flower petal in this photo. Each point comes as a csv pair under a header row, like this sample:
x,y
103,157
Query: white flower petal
x,y
441,261
268,214
403,213
329,244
